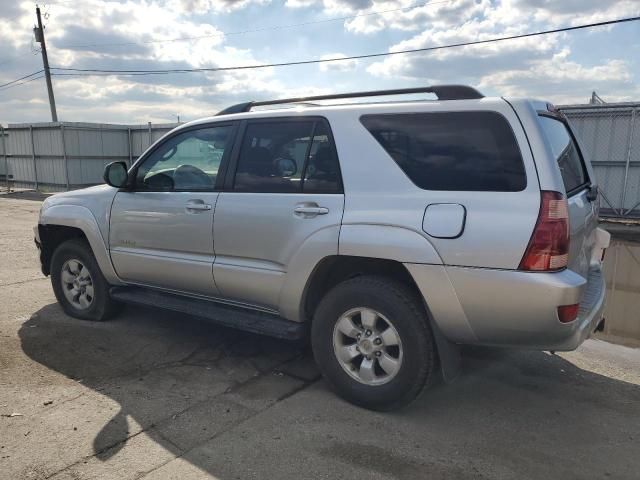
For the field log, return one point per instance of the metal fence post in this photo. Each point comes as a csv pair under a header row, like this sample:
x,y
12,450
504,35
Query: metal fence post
x,y
64,157
130,148
4,154
33,156
626,168
150,135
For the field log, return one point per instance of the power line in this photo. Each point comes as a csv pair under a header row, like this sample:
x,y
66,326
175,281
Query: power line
x,y
93,72
22,83
262,29
21,78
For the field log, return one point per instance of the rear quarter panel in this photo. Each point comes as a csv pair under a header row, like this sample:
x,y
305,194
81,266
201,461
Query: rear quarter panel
x,y
377,192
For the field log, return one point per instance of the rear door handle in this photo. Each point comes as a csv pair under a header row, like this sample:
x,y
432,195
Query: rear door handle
x,y
198,206
302,210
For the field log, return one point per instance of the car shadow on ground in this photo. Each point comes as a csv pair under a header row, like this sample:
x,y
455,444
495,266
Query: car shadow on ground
x,y
157,365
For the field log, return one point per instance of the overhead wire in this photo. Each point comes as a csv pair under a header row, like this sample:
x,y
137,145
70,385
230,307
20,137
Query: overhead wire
x,y
21,78
22,83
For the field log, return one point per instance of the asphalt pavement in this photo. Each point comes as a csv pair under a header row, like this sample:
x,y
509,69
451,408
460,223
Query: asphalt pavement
x,y
155,394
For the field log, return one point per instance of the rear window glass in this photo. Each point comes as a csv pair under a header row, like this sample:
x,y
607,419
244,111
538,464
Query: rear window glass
x,y
473,151
565,152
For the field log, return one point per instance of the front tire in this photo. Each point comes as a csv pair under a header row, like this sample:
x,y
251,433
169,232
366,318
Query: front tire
x,y
372,342
78,283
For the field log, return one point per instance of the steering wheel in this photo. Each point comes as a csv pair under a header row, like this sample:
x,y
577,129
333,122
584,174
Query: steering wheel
x,y
188,176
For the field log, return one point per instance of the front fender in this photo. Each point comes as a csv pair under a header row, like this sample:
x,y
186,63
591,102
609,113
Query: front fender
x,y
80,217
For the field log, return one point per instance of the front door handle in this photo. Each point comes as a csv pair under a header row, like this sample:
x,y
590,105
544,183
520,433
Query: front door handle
x,y
198,206
311,211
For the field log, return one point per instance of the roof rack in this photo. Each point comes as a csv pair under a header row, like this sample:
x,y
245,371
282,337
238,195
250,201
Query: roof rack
x,y
443,92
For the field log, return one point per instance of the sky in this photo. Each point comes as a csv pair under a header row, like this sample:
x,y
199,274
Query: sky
x,y
158,34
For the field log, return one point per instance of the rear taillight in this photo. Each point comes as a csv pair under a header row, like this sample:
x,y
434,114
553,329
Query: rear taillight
x,y
548,248
568,313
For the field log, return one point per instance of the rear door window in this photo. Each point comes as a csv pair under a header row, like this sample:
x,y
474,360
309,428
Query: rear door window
x,y
457,151
288,157
566,154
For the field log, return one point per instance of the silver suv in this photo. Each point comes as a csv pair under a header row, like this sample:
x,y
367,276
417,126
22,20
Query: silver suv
x,y
388,233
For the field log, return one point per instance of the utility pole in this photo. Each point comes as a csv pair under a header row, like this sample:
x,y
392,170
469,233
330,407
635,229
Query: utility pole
x,y
39,33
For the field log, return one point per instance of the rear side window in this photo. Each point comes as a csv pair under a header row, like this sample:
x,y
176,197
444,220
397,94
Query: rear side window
x,y
288,157
460,151
565,152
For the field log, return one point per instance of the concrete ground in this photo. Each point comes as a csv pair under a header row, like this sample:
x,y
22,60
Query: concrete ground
x,y
157,395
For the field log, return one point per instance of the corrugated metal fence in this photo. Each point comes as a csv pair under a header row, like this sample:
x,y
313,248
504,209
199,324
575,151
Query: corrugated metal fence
x,y
610,134
67,155
60,156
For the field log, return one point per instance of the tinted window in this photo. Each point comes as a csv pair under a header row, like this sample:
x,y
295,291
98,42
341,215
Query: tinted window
x,y
566,153
322,174
473,151
276,157
187,161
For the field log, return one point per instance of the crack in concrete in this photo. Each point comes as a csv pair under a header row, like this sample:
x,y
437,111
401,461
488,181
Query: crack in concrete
x,y
229,428
22,281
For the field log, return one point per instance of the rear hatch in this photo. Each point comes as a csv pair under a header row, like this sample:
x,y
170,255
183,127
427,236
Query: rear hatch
x,y
579,184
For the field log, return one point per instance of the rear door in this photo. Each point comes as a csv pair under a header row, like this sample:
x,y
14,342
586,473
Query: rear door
x,y
282,187
583,213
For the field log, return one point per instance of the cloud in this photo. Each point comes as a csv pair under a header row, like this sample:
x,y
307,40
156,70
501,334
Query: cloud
x,y
204,6
527,66
299,3
411,15
566,81
130,35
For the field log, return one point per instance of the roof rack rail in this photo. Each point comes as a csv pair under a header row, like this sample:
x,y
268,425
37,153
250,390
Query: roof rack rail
x,y
443,92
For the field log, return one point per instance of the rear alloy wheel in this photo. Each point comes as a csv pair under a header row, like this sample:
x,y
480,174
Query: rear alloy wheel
x,y
368,346
372,342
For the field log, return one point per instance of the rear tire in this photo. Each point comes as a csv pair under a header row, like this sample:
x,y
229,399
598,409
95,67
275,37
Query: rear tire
x,y
372,342
78,283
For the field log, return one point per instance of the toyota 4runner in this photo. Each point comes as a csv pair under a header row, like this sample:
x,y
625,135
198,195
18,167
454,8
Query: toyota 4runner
x,y
387,233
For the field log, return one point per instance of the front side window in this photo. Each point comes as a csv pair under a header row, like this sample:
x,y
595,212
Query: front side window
x,y
565,152
287,157
458,151
187,161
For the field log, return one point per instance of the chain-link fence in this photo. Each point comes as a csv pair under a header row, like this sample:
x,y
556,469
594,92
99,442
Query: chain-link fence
x,y
68,155
610,134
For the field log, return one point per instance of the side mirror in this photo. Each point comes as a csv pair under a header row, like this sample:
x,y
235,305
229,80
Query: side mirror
x,y
592,193
115,174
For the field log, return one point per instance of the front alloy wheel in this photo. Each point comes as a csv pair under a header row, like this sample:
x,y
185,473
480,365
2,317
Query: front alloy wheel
x,y
77,284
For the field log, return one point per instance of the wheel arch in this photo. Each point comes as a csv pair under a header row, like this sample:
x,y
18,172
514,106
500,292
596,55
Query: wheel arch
x,y
63,222
334,269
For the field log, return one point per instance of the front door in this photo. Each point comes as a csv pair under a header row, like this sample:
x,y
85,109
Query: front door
x,y
161,231
283,196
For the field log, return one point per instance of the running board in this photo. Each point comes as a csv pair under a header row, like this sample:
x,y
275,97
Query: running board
x,y
226,315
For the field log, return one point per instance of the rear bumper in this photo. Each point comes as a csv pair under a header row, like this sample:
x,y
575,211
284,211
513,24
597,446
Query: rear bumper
x,y
516,309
